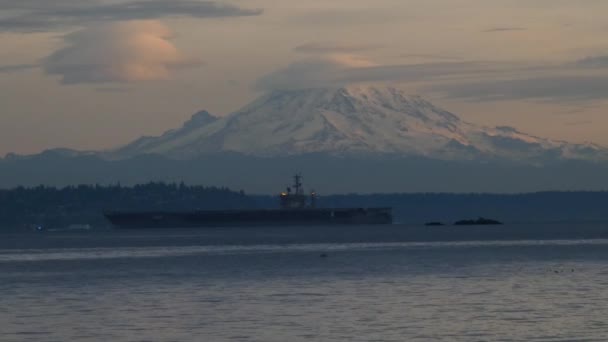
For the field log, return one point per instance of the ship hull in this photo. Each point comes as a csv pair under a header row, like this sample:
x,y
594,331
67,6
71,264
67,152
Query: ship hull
x,y
222,218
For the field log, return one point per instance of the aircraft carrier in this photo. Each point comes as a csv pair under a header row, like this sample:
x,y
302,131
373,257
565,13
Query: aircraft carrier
x,y
295,208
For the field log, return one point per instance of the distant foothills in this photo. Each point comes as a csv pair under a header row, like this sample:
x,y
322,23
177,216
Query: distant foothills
x,y
353,139
78,207
327,174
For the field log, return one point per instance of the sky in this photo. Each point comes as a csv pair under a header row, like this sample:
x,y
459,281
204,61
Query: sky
x,y
96,74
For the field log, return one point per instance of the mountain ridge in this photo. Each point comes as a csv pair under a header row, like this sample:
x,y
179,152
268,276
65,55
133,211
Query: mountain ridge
x,y
353,120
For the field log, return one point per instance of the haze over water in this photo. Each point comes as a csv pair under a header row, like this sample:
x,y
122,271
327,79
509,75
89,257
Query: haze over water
x,y
275,285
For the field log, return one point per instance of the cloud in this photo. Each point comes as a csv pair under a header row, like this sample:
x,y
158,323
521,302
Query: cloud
x,y
593,62
117,52
430,57
504,29
44,15
344,15
336,70
333,47
582,80
311,72
556,88
17,67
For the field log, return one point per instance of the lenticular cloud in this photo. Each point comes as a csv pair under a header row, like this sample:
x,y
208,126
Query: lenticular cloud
x,y
117,52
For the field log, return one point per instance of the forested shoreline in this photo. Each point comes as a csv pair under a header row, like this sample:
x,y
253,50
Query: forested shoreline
x,y
27,208
23,207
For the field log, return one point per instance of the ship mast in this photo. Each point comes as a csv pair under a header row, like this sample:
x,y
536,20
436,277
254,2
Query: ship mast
x,y
298,184
295,200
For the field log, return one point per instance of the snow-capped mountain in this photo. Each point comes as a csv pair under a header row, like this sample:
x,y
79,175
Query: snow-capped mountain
x,y
353,120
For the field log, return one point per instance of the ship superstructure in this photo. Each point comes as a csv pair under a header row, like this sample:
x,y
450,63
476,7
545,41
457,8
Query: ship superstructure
x,y
295,198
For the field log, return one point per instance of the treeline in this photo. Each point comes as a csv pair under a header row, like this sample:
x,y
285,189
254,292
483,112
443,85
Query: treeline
x,y
23,207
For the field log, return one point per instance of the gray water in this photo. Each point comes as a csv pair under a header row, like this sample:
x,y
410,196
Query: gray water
x,y
275,285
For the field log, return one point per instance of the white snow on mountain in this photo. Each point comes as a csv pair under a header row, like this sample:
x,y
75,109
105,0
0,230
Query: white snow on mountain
x,y
357,120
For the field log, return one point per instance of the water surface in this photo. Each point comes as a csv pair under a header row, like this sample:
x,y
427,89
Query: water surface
x,y
275,285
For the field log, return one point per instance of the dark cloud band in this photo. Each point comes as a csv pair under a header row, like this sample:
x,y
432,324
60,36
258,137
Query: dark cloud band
x,y
333,47
43,15
566,82
556,88
4,69
504,29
